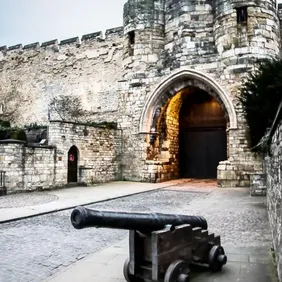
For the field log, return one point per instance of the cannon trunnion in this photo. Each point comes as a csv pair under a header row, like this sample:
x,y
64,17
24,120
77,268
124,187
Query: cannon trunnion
x,y
161,247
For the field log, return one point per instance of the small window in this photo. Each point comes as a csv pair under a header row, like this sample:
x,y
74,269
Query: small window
x,y
131,42
242,15
131,36
1,108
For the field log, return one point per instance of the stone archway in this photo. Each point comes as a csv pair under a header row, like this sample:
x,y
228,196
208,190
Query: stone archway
x,y
160,119
201,134
176,82
73,164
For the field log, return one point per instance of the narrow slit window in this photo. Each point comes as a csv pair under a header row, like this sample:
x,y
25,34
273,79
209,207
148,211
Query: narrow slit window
x,y
131,41
242,15
131,36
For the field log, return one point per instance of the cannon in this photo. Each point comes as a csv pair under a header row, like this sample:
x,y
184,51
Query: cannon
x,y
82,217
162,247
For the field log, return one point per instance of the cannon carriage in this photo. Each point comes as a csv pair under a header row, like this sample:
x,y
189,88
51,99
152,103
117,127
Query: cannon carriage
x,y
161,246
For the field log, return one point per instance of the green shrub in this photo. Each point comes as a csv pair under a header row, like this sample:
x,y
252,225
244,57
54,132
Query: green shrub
x,y
260,96
5,123
4,133
19,134
34,126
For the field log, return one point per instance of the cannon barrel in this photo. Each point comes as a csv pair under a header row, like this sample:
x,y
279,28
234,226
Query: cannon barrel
x,y
82,217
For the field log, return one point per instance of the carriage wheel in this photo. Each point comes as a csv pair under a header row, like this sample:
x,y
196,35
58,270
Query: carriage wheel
x,y
217,258
129,277
178,271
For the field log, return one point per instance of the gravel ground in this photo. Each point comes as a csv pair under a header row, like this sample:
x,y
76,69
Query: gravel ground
x,y
27,199
35,248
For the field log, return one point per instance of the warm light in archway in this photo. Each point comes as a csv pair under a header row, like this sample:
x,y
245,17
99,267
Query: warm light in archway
x,y
214,103
175,104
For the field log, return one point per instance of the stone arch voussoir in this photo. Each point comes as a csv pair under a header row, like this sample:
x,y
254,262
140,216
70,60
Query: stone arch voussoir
x,y
174,83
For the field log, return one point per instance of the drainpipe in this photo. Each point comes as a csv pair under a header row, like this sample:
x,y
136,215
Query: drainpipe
x,y
121,150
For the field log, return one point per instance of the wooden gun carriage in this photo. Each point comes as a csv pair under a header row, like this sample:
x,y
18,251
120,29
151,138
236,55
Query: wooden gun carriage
x,y
161,246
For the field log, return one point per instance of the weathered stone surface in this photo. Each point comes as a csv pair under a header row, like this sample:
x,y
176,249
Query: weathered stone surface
x,y
135,70
99,151
258,185
43,167
273,167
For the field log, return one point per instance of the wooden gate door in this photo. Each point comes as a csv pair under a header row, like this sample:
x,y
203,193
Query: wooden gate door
x,y
201,151
72,164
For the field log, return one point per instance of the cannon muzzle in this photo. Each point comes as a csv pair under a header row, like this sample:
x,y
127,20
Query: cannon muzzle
x,y
82,217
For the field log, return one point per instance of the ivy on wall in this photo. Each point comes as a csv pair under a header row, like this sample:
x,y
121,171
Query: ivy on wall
x,y
260,96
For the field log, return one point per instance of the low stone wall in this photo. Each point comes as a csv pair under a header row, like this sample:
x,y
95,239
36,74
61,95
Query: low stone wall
x,y
99,151
273,169
26,168
37,167
11,158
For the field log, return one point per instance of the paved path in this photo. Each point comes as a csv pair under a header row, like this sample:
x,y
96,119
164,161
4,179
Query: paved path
x,y
239,219
48,248
34,248
23,205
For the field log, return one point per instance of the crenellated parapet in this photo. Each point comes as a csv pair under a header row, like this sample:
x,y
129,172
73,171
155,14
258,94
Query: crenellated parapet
x,y
113,34
86,67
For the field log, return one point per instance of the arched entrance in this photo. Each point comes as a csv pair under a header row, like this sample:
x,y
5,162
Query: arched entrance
x,y
187,121
72,164
202,135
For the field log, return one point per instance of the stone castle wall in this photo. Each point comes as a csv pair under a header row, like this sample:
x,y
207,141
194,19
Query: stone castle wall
x,y
273,171
117,77
218,58
30,167
99,151
89,69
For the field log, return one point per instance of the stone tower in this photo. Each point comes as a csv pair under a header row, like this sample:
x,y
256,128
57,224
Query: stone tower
x,y
188,29
144,23
245,30
220,38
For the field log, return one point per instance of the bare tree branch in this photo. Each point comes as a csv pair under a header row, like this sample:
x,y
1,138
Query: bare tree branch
x,y
68,108
9,104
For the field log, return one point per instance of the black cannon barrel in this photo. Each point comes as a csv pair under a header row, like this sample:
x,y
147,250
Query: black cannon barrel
x,y
82,217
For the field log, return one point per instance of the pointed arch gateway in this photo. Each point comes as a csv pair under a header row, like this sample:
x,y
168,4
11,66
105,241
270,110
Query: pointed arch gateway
x,y
177,89
175,83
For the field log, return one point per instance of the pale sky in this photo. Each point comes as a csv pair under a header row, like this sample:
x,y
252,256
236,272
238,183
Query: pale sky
x,y
29,21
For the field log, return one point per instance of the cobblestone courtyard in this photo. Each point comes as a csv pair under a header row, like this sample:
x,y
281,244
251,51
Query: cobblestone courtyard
x,y
36,248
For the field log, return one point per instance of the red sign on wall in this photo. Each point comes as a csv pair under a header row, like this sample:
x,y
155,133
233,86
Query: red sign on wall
x,y
71,158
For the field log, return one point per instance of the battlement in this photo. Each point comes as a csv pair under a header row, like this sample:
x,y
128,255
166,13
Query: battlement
x,y
110,34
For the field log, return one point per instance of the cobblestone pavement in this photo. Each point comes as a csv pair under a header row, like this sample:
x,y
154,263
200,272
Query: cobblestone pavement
x,y
35,248
26,199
